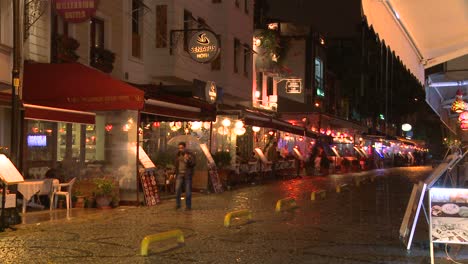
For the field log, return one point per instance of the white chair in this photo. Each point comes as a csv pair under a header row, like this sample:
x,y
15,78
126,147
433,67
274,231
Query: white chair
x,y
58,191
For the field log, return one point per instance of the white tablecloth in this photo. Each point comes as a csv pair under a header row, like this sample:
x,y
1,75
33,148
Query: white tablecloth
x,y
28,188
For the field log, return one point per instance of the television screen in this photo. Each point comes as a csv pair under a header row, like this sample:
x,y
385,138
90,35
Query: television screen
x,y
37,140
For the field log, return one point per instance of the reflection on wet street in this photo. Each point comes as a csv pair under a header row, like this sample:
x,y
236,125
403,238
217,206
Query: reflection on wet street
x,y
357,225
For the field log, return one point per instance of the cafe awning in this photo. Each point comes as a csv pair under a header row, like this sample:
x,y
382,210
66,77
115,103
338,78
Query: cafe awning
x,y
423,33
253,118
75,86
163,106
45,113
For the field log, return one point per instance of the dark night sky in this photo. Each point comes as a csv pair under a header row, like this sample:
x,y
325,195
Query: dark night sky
x,y
331,17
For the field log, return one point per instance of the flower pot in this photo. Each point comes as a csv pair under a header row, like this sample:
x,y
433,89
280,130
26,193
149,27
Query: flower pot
x,y
103,202
80,202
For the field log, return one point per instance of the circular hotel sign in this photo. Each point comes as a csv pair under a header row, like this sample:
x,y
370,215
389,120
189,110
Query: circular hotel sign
x,y
203,46
75,11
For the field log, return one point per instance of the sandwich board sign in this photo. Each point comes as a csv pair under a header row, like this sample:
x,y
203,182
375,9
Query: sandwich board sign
x,y
410,219
448,217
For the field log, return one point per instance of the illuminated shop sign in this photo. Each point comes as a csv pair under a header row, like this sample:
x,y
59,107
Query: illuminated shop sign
x,y
75,11
211,92
294,86
204,46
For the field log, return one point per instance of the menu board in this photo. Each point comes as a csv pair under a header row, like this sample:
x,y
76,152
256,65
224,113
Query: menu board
x,y
449,215
150,187
298,154
212,170
8,172
410,219
207,153
144,159
260,154
449,162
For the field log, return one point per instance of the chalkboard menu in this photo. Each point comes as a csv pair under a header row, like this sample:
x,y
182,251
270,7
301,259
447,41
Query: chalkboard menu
x,y
214,177
212,170
150,187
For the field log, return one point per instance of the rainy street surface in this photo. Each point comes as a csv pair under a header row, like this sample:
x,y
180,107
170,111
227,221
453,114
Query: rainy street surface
x,y
357,225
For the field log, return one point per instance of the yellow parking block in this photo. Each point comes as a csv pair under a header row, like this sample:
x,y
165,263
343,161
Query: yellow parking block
x,y
227,218
340,187
159,237
286,203
314,194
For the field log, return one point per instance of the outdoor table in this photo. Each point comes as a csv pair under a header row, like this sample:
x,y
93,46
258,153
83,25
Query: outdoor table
x,y
29,188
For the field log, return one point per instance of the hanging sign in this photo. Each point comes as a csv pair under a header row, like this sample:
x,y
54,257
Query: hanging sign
x,y
210,92
75,11
203,46
294,86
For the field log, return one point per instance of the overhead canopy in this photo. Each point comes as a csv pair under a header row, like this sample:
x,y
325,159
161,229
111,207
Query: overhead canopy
x,y
423,33
253,118
77,87
163,106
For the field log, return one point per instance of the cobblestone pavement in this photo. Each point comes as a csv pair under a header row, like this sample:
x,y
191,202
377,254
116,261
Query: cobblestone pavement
x,y
358,225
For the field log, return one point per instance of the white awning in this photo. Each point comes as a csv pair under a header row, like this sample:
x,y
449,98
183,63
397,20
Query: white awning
x,y
423,33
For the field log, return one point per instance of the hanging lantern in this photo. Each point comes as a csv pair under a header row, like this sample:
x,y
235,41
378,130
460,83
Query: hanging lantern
x,y
226,122
239,124
108,127
458,105
463,117
196,125
255,129
464,126
239,131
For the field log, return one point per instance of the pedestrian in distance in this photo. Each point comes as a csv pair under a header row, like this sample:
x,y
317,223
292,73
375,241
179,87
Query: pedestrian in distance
x,y
184,167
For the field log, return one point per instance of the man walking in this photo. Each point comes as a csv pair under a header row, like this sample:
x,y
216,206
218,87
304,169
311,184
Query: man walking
x,y
184,165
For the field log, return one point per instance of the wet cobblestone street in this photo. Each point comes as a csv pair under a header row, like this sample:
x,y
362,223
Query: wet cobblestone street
x,y
358,225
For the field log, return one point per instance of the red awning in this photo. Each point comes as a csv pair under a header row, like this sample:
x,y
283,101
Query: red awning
x,y
58,114
78,87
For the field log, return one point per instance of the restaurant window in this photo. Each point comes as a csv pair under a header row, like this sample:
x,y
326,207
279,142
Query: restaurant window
x,y
269,85
319,77
56,145
40,139
69,139
187,25
59,29
216,63
136,28
97,37
246,60
236,54
161,26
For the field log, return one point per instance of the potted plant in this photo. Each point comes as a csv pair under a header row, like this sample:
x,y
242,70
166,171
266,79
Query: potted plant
x,y
102,59
66,49
79,199
223,163
104,191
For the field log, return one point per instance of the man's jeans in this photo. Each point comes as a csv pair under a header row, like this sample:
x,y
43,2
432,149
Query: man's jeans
x,y
188,190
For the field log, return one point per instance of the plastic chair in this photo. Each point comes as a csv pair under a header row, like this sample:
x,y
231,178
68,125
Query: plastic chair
x,y
58,191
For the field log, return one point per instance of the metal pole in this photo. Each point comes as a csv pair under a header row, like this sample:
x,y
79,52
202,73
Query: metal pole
x,y
15,84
